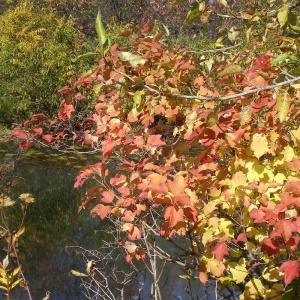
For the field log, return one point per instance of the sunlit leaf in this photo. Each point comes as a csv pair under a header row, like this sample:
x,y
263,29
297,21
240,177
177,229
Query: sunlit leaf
x,y
223,2
5,262
290,269
78,274
230,70
132,59
26,197
283,105
282,15
101,32
233,34
259,145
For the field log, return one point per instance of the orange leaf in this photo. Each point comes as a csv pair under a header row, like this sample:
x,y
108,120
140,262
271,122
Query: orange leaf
x,y
174,215
108,196
155,140
177,186
101,210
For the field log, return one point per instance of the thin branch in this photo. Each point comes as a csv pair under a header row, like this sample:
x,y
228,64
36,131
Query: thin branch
x,y
213,50
202,98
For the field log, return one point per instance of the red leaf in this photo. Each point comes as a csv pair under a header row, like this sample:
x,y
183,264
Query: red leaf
x,y
47,137
284,228
25,145
270,246
155,140
241,238
20,134
38,130
219,250
290,269
203,277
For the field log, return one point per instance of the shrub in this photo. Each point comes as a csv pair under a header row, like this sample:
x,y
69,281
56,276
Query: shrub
x,y
35,59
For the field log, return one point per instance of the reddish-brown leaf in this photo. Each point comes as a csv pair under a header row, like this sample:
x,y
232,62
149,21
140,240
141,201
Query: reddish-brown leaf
x,y
270,246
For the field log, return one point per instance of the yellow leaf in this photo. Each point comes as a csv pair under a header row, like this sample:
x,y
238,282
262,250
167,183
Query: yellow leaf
x,y
283,105
16,271
215,267
288,153
2,272
226,227
235,253
208,235
78,274
238,179
279,178
239,273
272,274
253,289
255,171
259,145
296,135
16,283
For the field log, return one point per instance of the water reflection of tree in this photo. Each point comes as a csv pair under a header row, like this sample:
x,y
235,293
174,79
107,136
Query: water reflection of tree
x,y
52,222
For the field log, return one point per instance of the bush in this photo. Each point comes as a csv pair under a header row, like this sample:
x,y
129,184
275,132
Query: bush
x,y
35,59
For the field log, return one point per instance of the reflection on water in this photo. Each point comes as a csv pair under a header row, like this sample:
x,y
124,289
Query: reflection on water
x,y
52,222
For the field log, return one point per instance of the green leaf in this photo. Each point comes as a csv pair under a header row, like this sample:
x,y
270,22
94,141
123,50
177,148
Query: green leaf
x,y
233,69
132,59
102,36
282,15
279,58
139,100
193,13
248,34
283,106
84,55
293,22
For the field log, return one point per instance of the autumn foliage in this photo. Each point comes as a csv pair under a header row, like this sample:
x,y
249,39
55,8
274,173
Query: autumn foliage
x,y
206,148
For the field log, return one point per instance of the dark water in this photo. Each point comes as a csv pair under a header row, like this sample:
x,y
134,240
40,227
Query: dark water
x,y
54,227
52,222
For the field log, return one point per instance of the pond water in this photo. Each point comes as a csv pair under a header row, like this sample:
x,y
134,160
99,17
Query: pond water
x,y
53,224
